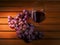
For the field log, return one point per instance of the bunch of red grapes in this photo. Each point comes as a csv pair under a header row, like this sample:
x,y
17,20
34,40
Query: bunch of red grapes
x,y
24,30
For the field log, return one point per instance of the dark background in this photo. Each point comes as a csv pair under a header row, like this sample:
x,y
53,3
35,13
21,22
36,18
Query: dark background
x,y
50,26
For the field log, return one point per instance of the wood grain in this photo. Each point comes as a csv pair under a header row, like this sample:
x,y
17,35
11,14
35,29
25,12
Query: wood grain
x,y
45,21
52,9
50,26
21,42
5,27
46,35
6,14
38,27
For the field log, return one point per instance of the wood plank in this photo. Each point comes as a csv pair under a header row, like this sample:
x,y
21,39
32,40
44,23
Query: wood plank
x,y
53,14
51,21
16,4
51,34
17,9
21,42
14,13
4,20
5,28
18,0
6,14
52,6
47,20
29,0
8,35
39,27
48,28
14,35
13,9
51,0
19,3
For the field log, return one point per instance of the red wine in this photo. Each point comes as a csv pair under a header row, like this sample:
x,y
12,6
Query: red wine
x,y
38,16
